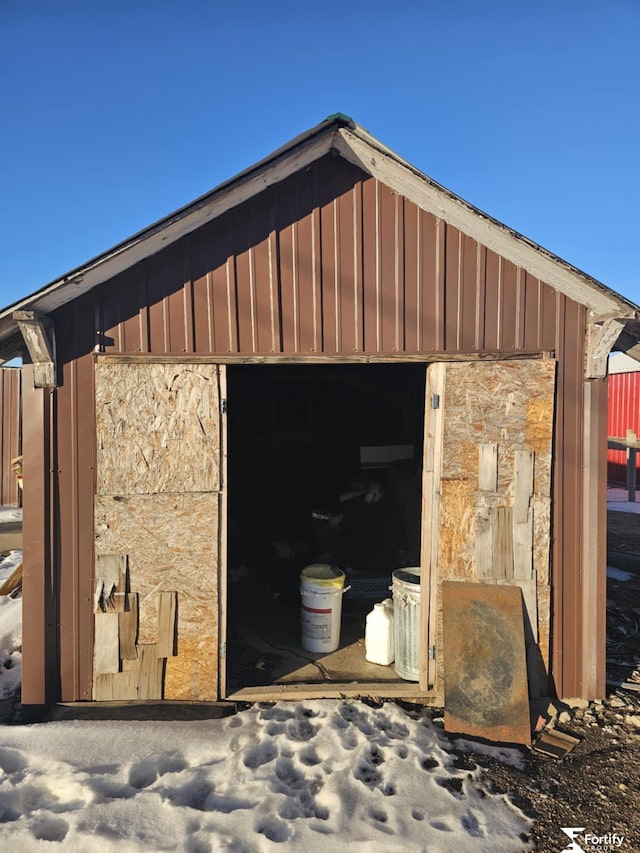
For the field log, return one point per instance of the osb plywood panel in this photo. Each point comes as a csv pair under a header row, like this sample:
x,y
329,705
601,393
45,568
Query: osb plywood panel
x,y
482,533
508,403
172,546
157,428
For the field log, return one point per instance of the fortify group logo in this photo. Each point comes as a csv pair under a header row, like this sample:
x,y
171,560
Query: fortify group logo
x,y
594,843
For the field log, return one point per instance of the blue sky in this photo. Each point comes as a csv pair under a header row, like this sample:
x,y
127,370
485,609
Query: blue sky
x,y
116,113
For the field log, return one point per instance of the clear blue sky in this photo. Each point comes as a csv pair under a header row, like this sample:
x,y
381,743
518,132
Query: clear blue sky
x,y
116,113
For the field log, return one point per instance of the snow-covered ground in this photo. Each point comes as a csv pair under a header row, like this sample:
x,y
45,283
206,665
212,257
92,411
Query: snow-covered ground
x,y
307,775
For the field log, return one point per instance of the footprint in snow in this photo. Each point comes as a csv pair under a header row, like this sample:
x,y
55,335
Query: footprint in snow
x,y
12,761
261,754
273,829
50,829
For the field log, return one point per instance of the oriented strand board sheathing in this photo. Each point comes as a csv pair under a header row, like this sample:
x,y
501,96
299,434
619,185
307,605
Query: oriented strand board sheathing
x,y
172,544
157,428
501,534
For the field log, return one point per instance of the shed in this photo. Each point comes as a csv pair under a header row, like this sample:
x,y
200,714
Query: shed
x,y
328,357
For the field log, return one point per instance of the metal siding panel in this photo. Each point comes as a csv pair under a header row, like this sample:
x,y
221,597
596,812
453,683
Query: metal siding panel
x,y
531,334
493,302
508,309
469,294
348,280
452,289
10,435
389,295
38,644
411,250
370,266
75,428
329,278
261,239
432,270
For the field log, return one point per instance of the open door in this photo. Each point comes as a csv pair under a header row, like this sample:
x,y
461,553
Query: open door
x,y
158,512
487,490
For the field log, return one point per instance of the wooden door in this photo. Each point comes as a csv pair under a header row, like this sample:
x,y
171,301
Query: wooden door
x,y
487,491
158,525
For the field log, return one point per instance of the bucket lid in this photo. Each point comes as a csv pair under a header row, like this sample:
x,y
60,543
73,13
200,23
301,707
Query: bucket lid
x,y
322,574
408,575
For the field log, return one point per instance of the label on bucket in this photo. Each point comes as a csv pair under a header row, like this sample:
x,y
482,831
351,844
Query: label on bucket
x,y
315,624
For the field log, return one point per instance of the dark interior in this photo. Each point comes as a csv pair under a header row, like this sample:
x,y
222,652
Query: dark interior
x,y
302,490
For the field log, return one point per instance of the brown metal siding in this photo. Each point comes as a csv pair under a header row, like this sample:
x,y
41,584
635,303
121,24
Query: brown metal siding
x,y
10,432
327,262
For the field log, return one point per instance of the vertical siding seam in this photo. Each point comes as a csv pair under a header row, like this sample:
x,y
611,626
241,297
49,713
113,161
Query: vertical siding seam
x,y
295,286
272,301
252,298
189,321
499,311
396,272
336,276
315,224
439,288
519,326
210,318
479,297
460,293
232,299
378,266
419,281
356,302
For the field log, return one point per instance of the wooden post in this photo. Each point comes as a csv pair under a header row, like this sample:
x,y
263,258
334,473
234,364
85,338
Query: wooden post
x,y
631,474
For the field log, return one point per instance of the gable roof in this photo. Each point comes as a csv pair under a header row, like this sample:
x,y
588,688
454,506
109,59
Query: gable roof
x,y
341,136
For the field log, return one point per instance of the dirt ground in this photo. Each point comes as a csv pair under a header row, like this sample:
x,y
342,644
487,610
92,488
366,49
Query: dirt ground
x,y
596,786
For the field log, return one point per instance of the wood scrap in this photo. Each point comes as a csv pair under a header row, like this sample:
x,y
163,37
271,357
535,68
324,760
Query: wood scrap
x,y
13,582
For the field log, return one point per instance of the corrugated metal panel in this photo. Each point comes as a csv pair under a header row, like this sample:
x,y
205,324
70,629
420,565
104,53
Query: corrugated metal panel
x,y
10,432
328,262
624,414
299,270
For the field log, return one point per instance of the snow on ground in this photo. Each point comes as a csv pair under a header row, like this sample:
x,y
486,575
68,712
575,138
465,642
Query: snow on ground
x,y
304,775
308,776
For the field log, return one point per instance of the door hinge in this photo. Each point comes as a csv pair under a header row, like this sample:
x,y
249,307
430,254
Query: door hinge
x,y
223,406
435,401
432,652
223,650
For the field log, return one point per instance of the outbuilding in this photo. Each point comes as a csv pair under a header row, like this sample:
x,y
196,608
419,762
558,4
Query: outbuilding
x,y
330,357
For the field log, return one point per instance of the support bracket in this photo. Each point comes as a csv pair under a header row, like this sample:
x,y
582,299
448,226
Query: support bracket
x,y
38,333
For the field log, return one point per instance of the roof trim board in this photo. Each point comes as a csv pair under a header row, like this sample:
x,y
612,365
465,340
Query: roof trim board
x,y
358,147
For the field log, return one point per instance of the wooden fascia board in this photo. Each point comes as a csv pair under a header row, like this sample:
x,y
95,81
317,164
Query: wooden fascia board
x,y
39,338
169,230
404,179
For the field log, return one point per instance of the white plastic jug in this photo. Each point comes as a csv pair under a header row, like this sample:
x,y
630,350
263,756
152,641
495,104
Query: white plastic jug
x,y
379,634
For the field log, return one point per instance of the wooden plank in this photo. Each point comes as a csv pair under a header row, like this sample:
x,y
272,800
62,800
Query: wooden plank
x,y
106,656
523,484
431,486
13,581
150,672
484,543
111,577
223,565
523,547
167,608
269,358
128,628
488,467
502,534
115,686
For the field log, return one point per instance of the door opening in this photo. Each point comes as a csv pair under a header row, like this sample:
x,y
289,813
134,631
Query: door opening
x,y
324,465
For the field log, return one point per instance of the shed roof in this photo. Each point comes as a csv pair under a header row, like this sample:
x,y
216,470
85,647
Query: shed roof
x,y
340,136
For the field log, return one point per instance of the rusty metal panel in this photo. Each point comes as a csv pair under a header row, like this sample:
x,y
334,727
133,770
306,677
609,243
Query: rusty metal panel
x,y
624,414
485,681
10,433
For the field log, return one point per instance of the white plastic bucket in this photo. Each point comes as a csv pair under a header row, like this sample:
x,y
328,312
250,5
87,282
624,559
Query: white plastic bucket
x,y
321,591
406,612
